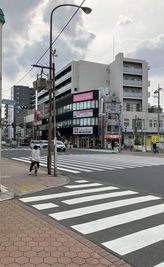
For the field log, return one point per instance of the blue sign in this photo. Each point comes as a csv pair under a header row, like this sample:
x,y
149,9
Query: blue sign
x,y
8,102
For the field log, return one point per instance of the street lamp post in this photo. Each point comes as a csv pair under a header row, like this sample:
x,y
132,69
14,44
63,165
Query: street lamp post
x,y
87,10
2,21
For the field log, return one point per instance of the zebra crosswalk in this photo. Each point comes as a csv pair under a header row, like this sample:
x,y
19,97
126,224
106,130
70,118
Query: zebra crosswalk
x,y
97,163
126,222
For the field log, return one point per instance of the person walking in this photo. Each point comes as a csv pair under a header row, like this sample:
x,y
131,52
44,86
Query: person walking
x,y
35,158
113,144
154,147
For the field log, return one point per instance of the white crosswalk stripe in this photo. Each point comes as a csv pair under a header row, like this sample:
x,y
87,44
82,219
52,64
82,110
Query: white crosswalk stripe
x,y
77,163
137,240
66,194
82,185
100,207
96,197
108,222
81,181
104,209
159,265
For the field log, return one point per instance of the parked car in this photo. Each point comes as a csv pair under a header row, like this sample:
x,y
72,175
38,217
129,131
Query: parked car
x,y
60,146
3,143
44,144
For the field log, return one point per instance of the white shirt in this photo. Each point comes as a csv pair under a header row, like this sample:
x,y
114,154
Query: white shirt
x,y
35,154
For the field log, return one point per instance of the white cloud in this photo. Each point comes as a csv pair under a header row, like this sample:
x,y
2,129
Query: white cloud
x,y
137,31
123,20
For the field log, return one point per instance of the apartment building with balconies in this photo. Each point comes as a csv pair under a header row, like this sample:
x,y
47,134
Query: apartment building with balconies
x,y
78,120
129,81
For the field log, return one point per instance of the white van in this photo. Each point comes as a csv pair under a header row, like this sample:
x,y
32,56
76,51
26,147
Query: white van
x,y
39,143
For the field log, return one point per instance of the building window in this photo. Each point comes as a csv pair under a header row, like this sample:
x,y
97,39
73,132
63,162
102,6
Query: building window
x,y
150,123
138,107
137,123
155,124
126,122
128,106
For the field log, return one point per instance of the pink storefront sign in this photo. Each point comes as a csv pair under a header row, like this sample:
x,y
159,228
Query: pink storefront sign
x,y
83,97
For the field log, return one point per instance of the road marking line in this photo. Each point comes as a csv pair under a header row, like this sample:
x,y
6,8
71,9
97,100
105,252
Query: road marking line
x,y
82,185
96,197
100,207
45,165
109,222
67,168
45,206
72,167
81,164
81,181
89,164
160,264
138,240
66,194
107,163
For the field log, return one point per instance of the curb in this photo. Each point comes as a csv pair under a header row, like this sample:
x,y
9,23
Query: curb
x,y
16,181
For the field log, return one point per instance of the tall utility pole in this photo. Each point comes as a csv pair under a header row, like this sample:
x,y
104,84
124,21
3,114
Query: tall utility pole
x,y
119,125
158,108
87,10
2,21
41,84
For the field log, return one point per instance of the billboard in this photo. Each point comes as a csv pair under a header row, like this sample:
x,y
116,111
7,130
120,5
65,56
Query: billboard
x,y
83,113
82,130
83,97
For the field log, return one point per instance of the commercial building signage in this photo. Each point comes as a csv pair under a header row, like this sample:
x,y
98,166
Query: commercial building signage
x,y
155,138
113,136
112,107
83,97
83,130
8,102
83,113
101,105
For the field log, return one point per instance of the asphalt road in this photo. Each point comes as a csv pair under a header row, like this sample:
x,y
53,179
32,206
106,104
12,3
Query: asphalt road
x,y
147,179
120,209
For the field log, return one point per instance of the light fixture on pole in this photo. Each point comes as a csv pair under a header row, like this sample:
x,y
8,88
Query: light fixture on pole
x,y
87,10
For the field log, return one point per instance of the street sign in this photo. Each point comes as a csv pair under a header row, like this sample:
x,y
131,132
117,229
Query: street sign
x,y
8,102
112,107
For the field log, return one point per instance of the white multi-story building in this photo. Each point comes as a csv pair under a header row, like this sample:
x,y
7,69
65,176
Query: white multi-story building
x,y
129,81
79,87
127,78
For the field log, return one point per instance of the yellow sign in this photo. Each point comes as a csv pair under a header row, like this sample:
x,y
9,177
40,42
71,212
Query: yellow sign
x,y
155,138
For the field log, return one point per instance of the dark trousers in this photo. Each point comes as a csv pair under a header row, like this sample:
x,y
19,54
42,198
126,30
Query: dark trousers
x,y
32,165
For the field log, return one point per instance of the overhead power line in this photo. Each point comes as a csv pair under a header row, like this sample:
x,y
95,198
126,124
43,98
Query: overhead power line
x,y
28,72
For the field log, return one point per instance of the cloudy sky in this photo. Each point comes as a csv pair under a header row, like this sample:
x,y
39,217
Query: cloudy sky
x,y
135,28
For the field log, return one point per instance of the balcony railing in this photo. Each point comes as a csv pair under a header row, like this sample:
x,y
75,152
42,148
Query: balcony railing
x,y
63,78
132,82
132,94
132,70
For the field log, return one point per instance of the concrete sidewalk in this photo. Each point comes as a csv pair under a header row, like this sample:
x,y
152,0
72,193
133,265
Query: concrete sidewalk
x,y
31,239
16,179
